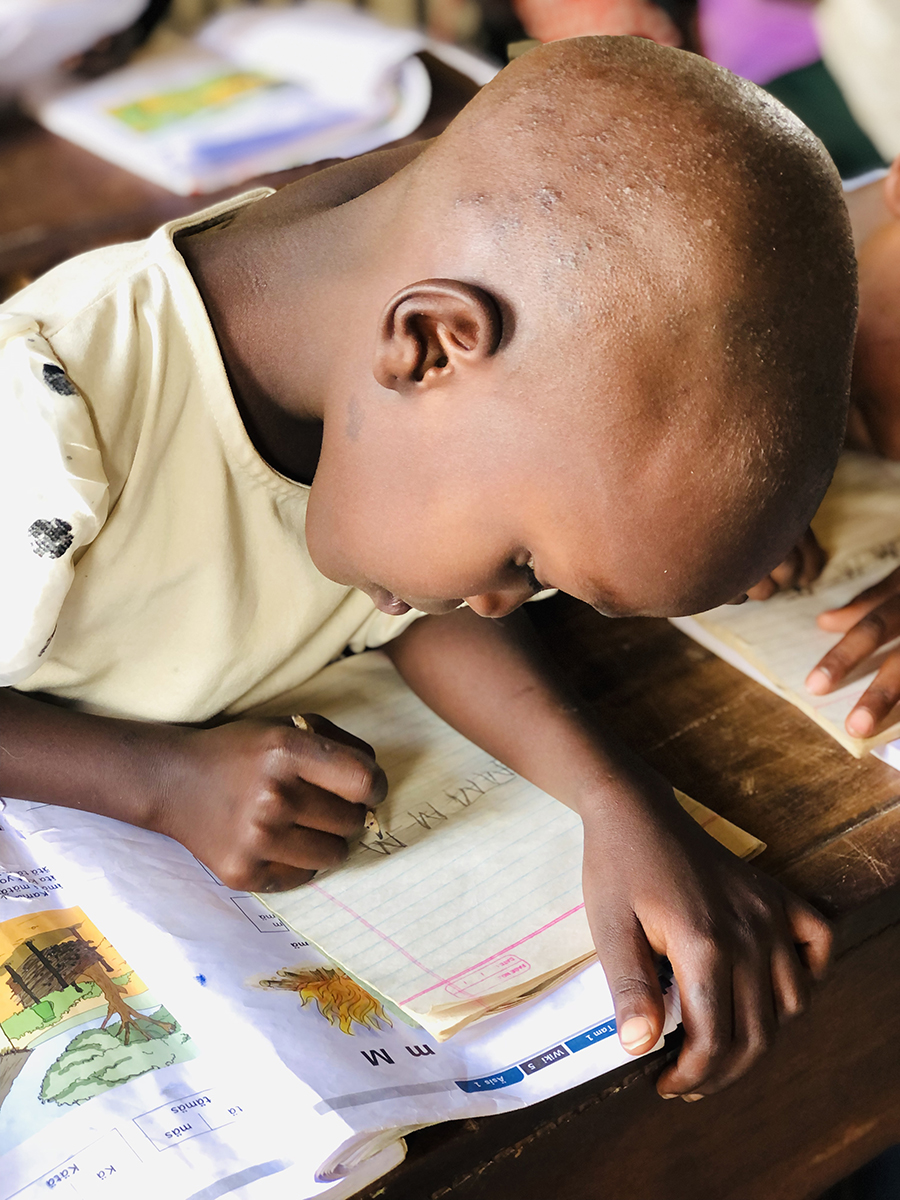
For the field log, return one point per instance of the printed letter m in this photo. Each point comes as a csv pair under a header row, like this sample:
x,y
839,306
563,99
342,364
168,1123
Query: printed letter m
x,y
373,1056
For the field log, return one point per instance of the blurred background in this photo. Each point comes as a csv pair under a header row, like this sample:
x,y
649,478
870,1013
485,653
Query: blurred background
x,y
118,115
137,111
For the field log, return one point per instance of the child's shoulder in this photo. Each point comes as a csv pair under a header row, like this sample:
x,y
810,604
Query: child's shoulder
x,y
78,287
75,286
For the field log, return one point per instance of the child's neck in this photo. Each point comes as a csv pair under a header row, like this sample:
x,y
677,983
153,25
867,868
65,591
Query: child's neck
x,y
264,279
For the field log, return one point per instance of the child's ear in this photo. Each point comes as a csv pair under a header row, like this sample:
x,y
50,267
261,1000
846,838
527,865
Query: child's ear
x,y
431,330
892,188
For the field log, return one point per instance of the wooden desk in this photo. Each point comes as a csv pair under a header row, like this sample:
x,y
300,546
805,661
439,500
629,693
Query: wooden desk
x,y
828,1098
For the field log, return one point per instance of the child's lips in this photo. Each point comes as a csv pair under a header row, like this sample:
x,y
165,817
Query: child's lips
x,y
388,602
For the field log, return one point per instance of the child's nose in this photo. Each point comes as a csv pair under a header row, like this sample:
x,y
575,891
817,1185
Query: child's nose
x,y
498,604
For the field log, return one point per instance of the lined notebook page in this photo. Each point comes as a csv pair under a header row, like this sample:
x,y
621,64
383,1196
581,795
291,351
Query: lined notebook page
x,y
859,526
474,895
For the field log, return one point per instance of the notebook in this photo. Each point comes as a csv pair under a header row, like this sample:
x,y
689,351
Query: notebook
x,y
778,642
472,901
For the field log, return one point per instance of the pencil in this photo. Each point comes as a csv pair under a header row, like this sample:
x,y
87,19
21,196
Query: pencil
x,y
372,825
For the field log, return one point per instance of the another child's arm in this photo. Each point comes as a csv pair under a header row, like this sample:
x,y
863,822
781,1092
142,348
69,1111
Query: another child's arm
x,y
744,950
869,620
263,804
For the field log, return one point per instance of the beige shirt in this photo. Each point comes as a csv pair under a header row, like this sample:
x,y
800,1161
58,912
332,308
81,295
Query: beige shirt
x,y
153,564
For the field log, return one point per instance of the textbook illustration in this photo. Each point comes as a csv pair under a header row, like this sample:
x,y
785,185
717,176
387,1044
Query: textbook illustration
x,y
58,973
338,998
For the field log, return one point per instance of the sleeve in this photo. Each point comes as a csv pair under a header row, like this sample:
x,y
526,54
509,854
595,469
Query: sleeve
x,y
53,492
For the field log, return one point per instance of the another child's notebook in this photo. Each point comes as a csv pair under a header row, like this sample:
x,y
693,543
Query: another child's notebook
x,y
778,642
472,901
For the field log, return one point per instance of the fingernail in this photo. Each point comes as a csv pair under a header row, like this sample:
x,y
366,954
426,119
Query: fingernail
x,y
860,722
692,1097
668,1095
635,1032
818,681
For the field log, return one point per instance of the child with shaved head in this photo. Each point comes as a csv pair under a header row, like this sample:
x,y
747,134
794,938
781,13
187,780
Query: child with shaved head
x,y
575,342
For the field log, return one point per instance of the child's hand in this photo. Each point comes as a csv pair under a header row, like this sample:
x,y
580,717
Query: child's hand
x,y
743,949
870,620
265,805
802,567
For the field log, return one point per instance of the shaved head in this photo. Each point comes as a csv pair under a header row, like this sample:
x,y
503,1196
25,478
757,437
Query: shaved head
x,y
599,330
670,251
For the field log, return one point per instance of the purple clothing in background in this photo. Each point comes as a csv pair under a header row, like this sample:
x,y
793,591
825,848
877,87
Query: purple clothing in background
x,y
759,39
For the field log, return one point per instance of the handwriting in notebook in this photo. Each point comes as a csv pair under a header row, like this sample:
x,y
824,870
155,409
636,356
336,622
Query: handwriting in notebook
x,y
430,815
473,896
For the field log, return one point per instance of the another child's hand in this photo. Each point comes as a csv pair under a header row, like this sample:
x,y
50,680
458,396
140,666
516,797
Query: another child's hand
x,y
870,620
802,567
265,805
743,949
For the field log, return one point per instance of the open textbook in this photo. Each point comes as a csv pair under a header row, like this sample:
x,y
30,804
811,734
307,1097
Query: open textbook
x,y
471,901
164,1035
778,642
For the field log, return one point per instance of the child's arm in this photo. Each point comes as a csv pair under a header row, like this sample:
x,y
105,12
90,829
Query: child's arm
x,y
261,803
744,950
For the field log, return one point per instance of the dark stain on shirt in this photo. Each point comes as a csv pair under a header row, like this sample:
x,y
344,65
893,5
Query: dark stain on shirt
x,y
50,539
58,381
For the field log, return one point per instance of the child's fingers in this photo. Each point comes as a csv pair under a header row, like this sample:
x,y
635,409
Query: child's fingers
x,y
790,983
787,573
876,702
877,627
801,568
705,988
755,1023
813,559
839,620
277,877
812,935
325,728
636,994
312,808
764,590
278,860
302,849
344,770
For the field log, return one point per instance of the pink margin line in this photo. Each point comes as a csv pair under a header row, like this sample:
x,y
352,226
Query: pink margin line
x,y
384,937
475,966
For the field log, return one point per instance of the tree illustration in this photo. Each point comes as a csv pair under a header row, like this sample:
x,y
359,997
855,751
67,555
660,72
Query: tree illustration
x,y
99,1059
63,963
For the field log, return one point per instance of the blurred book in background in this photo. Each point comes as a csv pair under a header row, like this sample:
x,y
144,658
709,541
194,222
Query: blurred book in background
x,y
256,90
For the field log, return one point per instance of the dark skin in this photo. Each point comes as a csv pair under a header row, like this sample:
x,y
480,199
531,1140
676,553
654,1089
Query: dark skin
x,y
872,619
367,355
